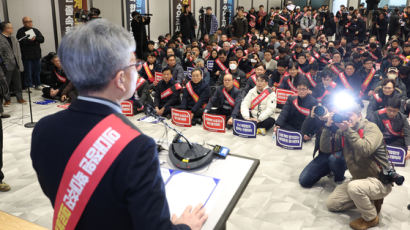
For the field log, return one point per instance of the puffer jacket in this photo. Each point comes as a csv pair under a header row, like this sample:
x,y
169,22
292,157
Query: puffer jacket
x,y
264,110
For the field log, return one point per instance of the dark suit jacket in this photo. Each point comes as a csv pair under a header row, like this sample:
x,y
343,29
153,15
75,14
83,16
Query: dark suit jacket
x,y
131,194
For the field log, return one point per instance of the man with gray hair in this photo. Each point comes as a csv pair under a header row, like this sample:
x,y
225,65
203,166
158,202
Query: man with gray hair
x,y
101,172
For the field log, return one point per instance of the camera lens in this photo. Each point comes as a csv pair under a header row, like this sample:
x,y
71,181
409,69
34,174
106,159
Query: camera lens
x,y
398,179
319,111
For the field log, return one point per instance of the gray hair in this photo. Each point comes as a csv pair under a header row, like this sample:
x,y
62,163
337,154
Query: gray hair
x,y
93,53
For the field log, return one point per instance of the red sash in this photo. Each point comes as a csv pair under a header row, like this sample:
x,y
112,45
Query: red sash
x,y
250,73
151,78
292,45
285,20
228,97
327,92
255,102
302,110
373,56
389,127
281,79
221,65
335,70
207,56
192,92
236,84
317,56
87,165
344,81
310,78
60,78
301,70
377,97
140,82
311,60
169,91
291,85
253,77
367,81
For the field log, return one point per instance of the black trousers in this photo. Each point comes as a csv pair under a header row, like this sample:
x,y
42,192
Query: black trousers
x,y
1,151
13,79
289,127
266,124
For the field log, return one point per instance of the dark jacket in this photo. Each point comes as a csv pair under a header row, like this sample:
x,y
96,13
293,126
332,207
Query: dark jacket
x,y
131,195
239,75
202,90
143,73
295,81
30,49
379,101
291,116
188,24
239,27
168,101
219,100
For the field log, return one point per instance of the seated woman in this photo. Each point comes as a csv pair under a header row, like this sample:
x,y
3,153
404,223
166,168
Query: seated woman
x,y
393,124
381,94
58,83
195,96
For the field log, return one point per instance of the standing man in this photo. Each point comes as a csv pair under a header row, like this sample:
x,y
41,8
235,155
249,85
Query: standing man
x,y
211,24
138,24
130,192
188,25
11,55
31,53
239,26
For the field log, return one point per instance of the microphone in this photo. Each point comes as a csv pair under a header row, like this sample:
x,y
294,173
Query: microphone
x,y
26,36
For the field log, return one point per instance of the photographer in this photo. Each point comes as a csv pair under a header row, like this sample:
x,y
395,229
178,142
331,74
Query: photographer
x,y
361,143
138,24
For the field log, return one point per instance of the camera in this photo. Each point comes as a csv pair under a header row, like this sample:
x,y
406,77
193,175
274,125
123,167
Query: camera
x,y
201,10
388,176
339,118
319,111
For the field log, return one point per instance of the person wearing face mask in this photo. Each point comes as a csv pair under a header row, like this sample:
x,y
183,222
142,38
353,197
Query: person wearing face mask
x,y
238,76
292,81
226,100
195,96
296,109
393,74
259,104
388,89
393,124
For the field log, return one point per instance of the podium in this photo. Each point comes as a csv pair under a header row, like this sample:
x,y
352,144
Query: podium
x,y
234,174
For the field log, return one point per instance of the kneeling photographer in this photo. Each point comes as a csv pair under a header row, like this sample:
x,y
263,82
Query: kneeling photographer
x,y
366,158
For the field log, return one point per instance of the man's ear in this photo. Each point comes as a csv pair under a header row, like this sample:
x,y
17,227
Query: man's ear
x,y
119,80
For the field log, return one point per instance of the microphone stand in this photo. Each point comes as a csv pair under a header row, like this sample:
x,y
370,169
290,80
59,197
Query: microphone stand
x,y
30,124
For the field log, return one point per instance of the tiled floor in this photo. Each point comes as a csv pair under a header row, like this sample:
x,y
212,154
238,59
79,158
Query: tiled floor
x,y
273,199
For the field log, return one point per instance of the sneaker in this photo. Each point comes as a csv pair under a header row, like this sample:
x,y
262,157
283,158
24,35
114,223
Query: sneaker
x,y
361,224
4,187
4,115
261,131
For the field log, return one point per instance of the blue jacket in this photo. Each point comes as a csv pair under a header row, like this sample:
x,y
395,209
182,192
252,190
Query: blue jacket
x,y
131,195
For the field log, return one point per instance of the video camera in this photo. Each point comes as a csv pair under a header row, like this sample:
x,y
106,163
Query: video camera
x,y
85,15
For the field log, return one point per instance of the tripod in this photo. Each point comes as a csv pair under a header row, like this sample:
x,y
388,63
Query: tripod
x,y
30,124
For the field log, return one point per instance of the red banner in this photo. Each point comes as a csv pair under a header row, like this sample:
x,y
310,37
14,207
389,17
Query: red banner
x,y
181,117
214,123
127,108
283,94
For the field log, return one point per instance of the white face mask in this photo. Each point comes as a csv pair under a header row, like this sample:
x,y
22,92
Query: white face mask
x,y
232,66
391,76
305,45
253,61
266,39
261,38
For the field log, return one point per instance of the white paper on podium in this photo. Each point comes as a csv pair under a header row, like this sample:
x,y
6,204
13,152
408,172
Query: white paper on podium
x,y
31,33
184,189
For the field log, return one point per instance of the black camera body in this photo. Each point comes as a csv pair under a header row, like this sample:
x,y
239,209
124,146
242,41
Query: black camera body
x,y
388,176
339,118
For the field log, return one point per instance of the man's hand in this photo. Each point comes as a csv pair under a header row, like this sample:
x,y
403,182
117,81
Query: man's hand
x,y
371,92
195,219
53,92
33,38
217,73
306,138
328,119
157,110
408,154
155,83
343,126
276,128
230,121
63,98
